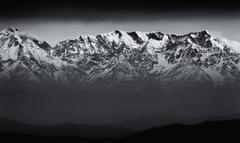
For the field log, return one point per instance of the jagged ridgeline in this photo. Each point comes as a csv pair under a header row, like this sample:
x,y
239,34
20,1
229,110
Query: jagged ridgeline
x,y
120,59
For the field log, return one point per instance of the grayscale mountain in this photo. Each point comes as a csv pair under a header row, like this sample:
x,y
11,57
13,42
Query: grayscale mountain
x,y
117,57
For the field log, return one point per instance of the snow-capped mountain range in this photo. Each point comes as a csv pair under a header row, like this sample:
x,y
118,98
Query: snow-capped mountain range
x,y
119,56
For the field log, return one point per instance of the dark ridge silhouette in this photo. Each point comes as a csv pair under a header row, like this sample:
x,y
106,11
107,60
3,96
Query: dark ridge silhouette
x,y
66,129
205,131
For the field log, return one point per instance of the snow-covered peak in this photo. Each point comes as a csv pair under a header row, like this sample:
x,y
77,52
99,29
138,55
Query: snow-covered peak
x,y
130,53
14,45
233,44
223,42
10,30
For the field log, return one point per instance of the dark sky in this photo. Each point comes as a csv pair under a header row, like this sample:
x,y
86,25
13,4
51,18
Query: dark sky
x,y
95,10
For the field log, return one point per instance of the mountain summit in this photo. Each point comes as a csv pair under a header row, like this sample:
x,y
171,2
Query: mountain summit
x,y
120,56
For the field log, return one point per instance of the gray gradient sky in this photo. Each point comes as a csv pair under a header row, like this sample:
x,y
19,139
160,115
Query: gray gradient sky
x,y
54,30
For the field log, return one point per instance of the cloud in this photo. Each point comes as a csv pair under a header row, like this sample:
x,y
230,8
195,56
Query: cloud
x,y
218,34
